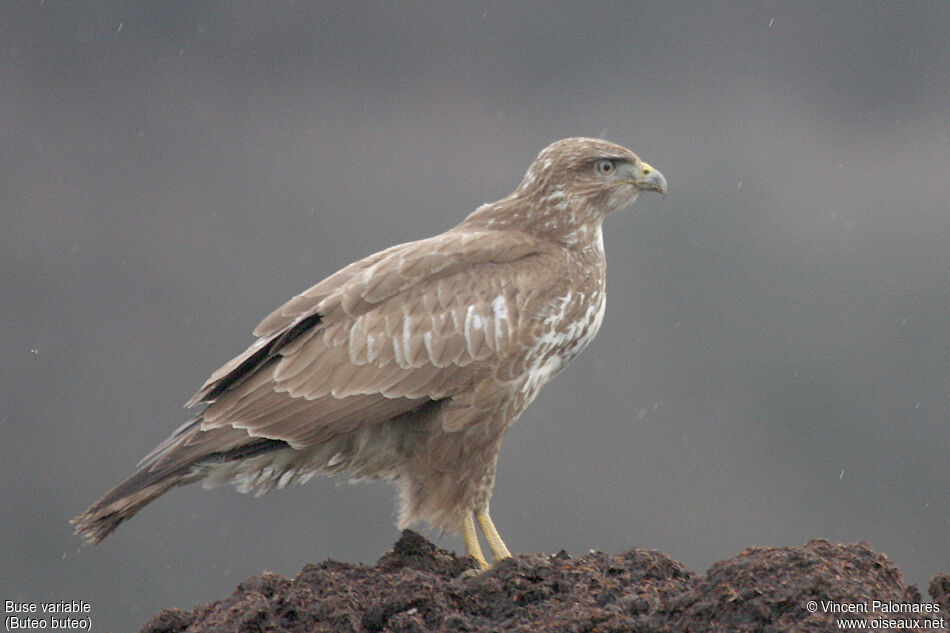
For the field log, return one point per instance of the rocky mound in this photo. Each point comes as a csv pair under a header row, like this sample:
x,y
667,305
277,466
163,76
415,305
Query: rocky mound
x,y
418,588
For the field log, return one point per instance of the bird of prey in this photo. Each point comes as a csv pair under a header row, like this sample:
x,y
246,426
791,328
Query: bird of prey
x,y
410,365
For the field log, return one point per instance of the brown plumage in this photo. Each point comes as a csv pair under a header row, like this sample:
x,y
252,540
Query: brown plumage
x,y
410,365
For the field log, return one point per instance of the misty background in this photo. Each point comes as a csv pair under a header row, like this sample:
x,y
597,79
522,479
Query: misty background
x,y
774,362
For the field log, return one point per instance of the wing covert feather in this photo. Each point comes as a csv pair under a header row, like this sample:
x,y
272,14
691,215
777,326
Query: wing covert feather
x,y
418,322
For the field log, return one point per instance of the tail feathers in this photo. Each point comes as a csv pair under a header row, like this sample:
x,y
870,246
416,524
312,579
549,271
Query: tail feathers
x,y
188,455
123,501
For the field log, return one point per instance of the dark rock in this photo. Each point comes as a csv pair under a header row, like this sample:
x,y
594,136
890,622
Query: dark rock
x,y
419,588
940,591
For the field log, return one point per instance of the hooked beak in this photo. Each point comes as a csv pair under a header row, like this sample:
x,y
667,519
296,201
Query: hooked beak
x,y
650,179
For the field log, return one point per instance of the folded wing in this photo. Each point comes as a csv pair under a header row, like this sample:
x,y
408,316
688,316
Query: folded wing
x,y
419,322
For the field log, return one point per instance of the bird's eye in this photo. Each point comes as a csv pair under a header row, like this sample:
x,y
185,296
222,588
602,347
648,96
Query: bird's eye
x,y
604,167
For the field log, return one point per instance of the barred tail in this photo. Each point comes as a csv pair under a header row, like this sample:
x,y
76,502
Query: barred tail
x,y
123,501
188,455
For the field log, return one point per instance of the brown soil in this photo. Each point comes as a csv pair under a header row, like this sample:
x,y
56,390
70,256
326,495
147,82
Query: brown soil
x,y
418,588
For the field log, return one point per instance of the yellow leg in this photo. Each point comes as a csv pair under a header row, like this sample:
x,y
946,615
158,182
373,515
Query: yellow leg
x,y
495,544
471,542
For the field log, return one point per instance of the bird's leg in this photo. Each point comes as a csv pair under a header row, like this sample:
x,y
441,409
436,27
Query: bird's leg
x,y
470,537
495,544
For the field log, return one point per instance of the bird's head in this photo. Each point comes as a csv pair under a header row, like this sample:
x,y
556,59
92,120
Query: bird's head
x,y
569,189
588,172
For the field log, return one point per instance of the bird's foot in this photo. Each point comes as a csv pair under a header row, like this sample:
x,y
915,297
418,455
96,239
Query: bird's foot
x,y
473,549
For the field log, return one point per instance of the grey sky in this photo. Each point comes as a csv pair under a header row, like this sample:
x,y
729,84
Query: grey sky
x,y
774,362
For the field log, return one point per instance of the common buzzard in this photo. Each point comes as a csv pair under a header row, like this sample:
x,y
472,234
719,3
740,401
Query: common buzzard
x,y
411,364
